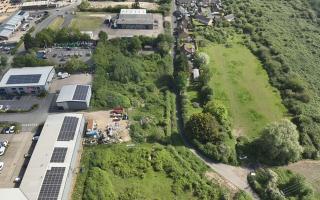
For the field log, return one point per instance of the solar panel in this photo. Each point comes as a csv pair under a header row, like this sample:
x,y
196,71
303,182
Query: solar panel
x,y
68,128
81,92
21,79
51,184
58,155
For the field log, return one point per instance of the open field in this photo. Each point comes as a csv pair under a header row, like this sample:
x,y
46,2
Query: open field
x,y
310,169
56,24
86,21
240,81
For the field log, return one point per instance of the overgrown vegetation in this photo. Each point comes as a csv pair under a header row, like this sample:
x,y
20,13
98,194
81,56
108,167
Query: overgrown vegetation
x,y
143,172
285,36
278,184
126,77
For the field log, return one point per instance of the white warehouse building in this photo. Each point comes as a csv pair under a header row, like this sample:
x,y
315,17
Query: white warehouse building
x,y
53,163
74,97
27,80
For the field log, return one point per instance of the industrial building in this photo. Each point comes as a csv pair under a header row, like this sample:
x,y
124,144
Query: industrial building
x,y
27,80
74,97
53,163
134,19
29,5
9,27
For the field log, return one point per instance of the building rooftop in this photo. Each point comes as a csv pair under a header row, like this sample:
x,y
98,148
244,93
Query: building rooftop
x,y
5,33
26,76
52,157
74,93
135,19
133,11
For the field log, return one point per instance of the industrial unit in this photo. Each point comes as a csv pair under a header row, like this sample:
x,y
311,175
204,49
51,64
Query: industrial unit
x,y
134,19
29,5
74,97
8,28
27,80
52,165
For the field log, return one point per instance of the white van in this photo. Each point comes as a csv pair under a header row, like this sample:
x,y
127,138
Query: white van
x,y
2,150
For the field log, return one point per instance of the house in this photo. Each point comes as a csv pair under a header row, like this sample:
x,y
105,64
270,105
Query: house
x,y
204,20
229,18
195,73
74,97
134,19
50,171
27,80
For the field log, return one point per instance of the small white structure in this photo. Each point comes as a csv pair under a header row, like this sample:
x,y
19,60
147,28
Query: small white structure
x,y
27,80
229,18
74,97
195,73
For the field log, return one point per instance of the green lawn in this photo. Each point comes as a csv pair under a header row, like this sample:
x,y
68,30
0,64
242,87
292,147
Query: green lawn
x,y
86,21
56,24
240,81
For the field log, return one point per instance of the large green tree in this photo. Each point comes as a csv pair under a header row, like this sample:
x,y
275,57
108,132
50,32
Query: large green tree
x,y
279,143
203,127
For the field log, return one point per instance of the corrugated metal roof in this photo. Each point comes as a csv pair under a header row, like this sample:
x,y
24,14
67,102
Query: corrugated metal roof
x,y
67,92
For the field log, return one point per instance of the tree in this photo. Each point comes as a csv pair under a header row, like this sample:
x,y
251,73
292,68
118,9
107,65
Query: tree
x,y
29,41
203,127
3,60
219,110
279,143
103,36
181,80
75,65
84,5
201,59
134,45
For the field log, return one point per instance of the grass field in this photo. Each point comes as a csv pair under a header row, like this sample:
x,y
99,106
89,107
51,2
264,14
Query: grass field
x,y
240,81
56,24
86,21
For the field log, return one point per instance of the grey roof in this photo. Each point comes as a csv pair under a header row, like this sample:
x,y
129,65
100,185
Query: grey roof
x,y
203,19
68,92
40,163
135,19
43,71
6,33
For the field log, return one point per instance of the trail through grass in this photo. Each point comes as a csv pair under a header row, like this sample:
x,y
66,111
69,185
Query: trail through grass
x,y
240,81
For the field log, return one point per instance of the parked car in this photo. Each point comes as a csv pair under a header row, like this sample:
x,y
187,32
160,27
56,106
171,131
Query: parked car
x,y
35,138
17,180
2,150
10,129
1,165
4,143
27,155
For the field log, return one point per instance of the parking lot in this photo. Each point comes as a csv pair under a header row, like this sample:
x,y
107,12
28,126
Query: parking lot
x,y
14,161
62,55
57,84
23,103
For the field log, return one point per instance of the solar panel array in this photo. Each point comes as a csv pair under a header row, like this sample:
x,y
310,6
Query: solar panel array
x,y
59,154
81,92
51,184
68,128
22,79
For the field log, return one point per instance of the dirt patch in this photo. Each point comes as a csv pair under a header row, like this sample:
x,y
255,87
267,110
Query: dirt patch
x,y
103,120
217,179
238,132
146,5
310,169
